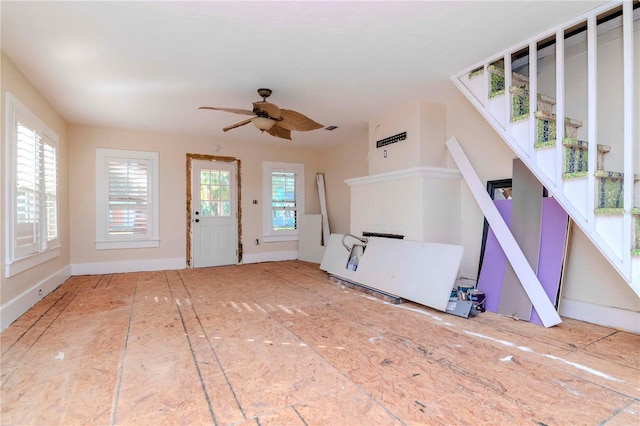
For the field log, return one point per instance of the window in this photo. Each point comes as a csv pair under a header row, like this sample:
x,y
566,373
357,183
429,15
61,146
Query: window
x,y
283,200
126,199
32,189
215,193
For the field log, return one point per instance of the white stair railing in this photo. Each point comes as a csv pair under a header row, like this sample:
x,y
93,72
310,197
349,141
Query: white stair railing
x,y
610,225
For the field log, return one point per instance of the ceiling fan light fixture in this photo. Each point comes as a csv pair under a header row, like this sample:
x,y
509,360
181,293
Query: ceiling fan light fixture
x,y
263,123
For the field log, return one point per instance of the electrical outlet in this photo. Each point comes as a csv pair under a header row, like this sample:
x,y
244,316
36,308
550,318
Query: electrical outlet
x,y
40,292
255,201
257,242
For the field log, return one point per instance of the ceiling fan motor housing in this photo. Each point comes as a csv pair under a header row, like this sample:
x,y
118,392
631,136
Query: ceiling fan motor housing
x,y
264,93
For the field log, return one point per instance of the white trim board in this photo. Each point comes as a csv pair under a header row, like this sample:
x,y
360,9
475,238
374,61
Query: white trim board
x,y
326,232
523,270
270,256
15,308
606,316
98,268
413,172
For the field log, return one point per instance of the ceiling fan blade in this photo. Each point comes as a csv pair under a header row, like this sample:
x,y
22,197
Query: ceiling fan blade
x,y
233,126
279,132
272,110
293,120
233,110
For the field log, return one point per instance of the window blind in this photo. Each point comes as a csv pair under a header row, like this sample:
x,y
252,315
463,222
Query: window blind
x,y
283,196
128,196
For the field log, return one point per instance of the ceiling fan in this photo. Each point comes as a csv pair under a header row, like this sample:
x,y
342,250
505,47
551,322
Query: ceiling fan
x,y
270,118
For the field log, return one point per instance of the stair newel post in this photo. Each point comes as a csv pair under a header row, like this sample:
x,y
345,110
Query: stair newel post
x,y
533,98
507,98
629,172
557,176
592,114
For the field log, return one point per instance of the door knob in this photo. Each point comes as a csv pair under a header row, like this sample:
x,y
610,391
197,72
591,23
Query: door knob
x,y
197,220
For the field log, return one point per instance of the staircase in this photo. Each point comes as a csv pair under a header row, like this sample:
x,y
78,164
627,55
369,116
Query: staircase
x,y
582,74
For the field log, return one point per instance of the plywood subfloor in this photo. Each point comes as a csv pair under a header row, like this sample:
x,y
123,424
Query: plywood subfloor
x,y
279,343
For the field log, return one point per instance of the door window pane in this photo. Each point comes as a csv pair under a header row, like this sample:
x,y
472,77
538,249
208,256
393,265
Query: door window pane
x,y
215,193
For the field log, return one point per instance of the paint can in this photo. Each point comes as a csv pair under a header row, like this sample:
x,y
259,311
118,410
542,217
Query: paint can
x,y
477,297
463,291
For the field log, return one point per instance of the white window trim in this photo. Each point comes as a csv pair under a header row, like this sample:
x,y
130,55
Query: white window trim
x,y
103,240
15,265
269,235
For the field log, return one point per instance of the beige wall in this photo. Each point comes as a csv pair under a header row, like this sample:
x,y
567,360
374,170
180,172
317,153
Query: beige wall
x,y
402,154
15,82
172,151
425,124
341,162
591,279
433,131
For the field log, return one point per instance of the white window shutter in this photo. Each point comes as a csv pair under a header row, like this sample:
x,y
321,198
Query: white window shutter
x,y
50,157
128,197
127,207
27,210
31,189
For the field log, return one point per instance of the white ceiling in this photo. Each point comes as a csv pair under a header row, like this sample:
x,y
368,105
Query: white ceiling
x,y
150,65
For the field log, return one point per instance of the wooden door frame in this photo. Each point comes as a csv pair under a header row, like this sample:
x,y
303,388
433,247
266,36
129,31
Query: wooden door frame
x,y
190,158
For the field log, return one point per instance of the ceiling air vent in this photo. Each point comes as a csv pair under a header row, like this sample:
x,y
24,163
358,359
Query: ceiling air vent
x,y
331,128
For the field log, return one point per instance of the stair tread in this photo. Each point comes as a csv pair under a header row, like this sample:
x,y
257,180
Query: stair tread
x,y
575,175
476,73
494,69
576,143
551,116
496,93
545,144
613,175
518,118
525,92
610,211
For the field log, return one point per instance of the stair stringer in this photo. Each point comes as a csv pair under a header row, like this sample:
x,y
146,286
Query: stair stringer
x,y
624,263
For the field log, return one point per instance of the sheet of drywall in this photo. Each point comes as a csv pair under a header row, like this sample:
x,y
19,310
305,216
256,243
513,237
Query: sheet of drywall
x,y
526,217
494,262
310,248
336,257
552,243
418,271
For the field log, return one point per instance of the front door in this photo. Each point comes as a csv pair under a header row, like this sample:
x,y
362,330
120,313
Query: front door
x,y
214,207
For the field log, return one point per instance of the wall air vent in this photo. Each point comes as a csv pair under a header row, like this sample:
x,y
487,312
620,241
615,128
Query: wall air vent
x,y
392,139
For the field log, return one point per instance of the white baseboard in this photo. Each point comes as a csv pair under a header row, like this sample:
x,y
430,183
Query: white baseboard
x,y
271,256
12,310
607,316
128,266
